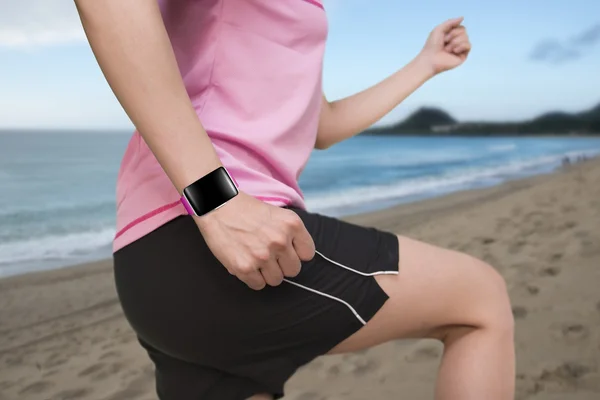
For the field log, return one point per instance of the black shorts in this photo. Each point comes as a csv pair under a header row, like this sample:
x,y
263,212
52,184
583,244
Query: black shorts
x,y
211,337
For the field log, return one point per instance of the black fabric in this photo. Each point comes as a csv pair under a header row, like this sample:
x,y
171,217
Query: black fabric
x,y
211,337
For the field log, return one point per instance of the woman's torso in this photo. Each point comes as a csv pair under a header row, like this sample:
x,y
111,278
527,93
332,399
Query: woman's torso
x,y
252,69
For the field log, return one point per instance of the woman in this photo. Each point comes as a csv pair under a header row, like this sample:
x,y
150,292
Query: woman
x,y
230,301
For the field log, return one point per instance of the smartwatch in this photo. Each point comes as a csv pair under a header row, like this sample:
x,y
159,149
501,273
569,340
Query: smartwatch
x,y
209,192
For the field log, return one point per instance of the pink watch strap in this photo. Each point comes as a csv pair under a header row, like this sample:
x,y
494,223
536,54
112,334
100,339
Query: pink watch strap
x,y
187,205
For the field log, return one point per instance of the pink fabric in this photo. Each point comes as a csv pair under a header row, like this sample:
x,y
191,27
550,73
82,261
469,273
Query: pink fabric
x,y
252,69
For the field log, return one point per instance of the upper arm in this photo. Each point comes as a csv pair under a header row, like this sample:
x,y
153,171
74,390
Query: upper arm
x,y
324,123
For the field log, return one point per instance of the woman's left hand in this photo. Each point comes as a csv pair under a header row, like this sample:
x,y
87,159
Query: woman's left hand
x,y
447,46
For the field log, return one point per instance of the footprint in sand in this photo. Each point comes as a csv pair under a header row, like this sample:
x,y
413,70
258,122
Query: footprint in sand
x,y
55,360
549,271
569,225
13,362
50,373
334,370
533,290
364,366
356,366
108,346
72,394
527,386
502,223
568,208
573,332
426,353
36,387
588,248
516,247
91,370
568,372
101,371
487,240
556,257
110,355
519,312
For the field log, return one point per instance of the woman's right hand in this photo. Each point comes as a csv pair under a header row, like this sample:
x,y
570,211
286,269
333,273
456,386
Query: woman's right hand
x,y
257,242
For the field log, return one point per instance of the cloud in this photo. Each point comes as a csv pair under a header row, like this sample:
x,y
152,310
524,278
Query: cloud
x,y
554,51
589,37
27,23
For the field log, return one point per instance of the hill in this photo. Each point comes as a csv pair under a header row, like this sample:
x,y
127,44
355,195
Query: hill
x,y
434,121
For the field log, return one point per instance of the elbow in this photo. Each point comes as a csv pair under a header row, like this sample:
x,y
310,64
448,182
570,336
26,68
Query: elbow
x,y
84,8
321,144
81,6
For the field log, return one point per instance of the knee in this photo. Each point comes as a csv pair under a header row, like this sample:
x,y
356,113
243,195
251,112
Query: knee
x,y
496,311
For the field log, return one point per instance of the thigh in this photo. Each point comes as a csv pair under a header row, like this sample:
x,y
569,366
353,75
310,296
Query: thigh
x,y
436,288
180,380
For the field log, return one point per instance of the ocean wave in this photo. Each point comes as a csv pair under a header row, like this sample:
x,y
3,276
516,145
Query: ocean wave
x,y
55,246
502,148
26,213
429,185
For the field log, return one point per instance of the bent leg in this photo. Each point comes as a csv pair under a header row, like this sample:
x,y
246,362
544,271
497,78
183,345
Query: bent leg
x,y
457,299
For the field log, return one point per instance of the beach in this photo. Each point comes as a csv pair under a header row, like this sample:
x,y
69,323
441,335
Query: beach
x,y
63,336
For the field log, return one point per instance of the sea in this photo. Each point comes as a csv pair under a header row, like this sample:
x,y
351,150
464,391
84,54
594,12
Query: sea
x,y
57,189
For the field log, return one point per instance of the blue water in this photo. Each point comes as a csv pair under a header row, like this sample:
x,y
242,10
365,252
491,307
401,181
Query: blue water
x,y
57,202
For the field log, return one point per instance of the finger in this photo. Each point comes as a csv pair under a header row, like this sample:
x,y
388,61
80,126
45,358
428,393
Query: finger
x,y
459,30
271,273
301,240
253,279
457,41
303,244
451,24
289,262
462,48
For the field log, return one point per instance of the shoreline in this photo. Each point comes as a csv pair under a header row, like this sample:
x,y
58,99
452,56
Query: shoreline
x,y
412,210
375,218
63,334
55,242
356,213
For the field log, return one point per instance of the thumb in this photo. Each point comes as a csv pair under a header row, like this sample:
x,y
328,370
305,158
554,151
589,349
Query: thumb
x,y
450,24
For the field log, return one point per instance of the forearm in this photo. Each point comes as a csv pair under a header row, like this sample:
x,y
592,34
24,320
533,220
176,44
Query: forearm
x,y
133,50
347,117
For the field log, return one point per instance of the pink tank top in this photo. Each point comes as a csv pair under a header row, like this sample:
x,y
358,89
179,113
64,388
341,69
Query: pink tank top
x,y
252,69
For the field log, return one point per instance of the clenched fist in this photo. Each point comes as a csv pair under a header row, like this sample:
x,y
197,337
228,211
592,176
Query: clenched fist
x,y
447,46
257,242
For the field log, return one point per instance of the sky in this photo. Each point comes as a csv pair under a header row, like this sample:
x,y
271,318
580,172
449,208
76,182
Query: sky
x,y
528,57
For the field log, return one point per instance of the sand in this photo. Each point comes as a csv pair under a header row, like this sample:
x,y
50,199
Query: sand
x,y
63,337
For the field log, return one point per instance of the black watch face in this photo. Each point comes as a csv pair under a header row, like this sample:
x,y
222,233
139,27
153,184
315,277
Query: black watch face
x,y
210,191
